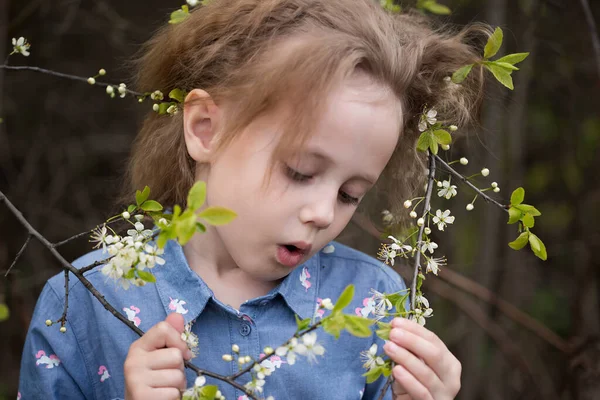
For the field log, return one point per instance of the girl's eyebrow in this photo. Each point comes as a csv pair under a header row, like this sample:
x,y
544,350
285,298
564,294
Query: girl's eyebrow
x,y
327,159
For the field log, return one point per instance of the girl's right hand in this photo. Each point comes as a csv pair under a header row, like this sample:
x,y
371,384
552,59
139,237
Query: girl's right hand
x,y
154,367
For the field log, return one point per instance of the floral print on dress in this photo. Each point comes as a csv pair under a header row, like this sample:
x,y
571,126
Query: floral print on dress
x,y
319,311
50,362
304,276
103,372
18,395
132,312
177,306
369,307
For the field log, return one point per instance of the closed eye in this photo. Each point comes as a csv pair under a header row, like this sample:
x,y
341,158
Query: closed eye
x,y
296,176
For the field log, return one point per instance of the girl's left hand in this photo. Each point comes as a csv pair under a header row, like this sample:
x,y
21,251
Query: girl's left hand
x,y
425,369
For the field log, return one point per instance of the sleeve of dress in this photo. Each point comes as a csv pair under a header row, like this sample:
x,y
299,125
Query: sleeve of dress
x,y
52,363
391,284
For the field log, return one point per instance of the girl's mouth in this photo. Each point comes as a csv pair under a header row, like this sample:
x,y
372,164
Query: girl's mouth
x,y
289,255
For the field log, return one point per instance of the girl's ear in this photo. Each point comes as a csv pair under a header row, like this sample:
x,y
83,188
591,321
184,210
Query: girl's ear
x,y
200,121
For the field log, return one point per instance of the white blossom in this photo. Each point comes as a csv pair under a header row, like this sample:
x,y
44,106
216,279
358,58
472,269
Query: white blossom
x,y
434,264
255,385
453,128
21,46
310,348
99,236
157,95
448,191
327,304
289,351
427,230
190,339
122,90
442,219
370,359
430,246
420,315
428,118
192,3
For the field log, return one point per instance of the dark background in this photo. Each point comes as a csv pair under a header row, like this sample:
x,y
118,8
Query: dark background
x,y
522,328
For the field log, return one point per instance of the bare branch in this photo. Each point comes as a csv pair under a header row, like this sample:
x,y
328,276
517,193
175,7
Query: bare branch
x,y
18,255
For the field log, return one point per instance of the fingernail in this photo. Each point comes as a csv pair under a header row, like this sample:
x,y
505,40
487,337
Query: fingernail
x,y
390,347
188,354
396,333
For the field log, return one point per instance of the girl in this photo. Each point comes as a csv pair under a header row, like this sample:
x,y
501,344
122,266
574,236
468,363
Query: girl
x,y
295,110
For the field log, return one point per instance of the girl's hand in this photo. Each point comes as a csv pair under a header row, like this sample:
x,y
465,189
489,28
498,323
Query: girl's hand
x,y
153,371
425,369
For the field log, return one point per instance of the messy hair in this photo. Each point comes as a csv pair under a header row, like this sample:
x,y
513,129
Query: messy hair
x,y
256,54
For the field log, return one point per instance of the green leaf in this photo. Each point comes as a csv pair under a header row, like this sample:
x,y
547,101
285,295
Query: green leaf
x,y
435,8
358,326
177,94
179,15
462,73
345,298
513,58
433,146
538,247
142,196
424,140
528,220
493,44
390,6
302,324
334,324
504,65
186,227
200,227
130,274
373,374
151,205
517,196
420,279
526,208
197,195
514,215
131,208
502,75
208,392
384,330
520,242
442,136
146,276
217,215
4,312
162,239
162,107
401,303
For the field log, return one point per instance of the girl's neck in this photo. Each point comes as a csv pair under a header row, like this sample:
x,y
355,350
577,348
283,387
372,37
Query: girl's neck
x,y
207,257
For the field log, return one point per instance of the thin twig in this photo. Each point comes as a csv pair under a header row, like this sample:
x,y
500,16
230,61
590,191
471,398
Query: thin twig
x,y
589,17
466,181
385,388
63,318
63,75
18,255
63,242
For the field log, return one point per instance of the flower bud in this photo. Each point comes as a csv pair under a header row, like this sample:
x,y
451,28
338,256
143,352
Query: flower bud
x,y
110,90
464,161
439,184
446,147
163,221
420,221
427,230
453,128
248,359
496,189
102,72
494,184
447,79
470,207
227,357
235,348
91,81
268,350
63,329
413,214
326,303
218,394
138,217
126,215
155,107
407,204
485,172
48,322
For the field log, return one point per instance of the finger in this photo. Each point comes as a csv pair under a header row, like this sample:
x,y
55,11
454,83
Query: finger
x,y
415,389
163,335
170,358
414,327
435,356
167,378
414,366
165,393
176,321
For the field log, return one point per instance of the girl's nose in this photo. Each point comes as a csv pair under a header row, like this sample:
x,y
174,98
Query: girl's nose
x,y
319,212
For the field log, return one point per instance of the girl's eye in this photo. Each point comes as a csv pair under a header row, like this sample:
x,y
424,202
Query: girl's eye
x,y
347,199
295,175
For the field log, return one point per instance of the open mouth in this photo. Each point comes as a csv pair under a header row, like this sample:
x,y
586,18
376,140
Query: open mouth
x,y
290,254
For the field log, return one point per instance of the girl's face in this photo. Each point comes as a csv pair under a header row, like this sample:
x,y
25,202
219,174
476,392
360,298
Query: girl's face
x,y
310,197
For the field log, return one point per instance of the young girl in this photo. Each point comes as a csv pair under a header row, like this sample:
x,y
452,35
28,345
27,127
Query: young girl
x,y
295,110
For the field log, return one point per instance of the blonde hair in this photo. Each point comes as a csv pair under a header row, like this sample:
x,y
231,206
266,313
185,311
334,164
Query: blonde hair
x,y
256,54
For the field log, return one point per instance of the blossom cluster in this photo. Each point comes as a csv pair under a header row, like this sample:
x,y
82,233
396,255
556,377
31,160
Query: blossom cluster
x,y
132,254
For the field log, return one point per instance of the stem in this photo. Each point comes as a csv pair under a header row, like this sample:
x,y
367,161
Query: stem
x,y
63,75
385,388
18,255
465,180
